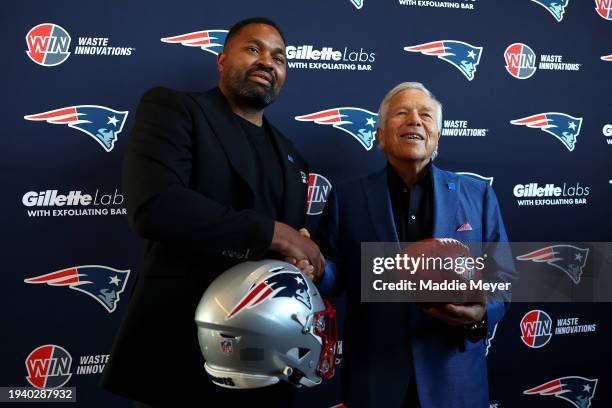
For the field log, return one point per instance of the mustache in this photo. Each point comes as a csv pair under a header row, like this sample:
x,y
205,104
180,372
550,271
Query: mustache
x,y
268,73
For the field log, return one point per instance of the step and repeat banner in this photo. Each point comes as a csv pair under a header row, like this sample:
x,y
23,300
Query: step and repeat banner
x,y
526,89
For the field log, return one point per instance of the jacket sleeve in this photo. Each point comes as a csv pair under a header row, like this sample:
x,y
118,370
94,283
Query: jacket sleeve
x,y
500,265
327,237
161,205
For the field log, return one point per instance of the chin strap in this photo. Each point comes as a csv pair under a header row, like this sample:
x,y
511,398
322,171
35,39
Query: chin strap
x,y
297,378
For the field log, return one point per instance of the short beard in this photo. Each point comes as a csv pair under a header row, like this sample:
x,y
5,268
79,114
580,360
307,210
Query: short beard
x,y
249,93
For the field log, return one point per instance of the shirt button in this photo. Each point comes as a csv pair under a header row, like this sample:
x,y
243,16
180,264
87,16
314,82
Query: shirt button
x,y
413,217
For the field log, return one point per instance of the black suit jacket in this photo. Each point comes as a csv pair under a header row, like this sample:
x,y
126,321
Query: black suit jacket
x,y
188,178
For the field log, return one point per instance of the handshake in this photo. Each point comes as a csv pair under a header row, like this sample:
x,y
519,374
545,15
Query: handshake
x,y
298,249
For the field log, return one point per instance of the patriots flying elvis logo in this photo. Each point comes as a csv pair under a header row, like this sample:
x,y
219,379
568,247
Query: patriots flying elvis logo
x,y
554,7
463,56
576,390
568,258
564,127
281,283
102,283
357,122
208,40
101,123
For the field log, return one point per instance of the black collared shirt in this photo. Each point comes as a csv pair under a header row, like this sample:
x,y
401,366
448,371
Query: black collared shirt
x,y
269,188
412,206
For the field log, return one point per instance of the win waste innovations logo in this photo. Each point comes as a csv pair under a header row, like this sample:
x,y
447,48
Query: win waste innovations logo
x,y
49,45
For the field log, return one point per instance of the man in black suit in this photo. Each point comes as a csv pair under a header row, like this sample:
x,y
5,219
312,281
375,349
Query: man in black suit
x,y
209,183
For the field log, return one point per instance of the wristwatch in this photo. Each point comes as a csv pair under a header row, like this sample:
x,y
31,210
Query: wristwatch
x,y
477,330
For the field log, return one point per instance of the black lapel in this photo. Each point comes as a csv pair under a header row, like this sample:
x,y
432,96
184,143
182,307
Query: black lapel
x,y
293,209
227,129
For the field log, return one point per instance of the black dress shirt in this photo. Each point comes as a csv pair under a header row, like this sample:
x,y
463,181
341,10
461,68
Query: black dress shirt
x,y
412,205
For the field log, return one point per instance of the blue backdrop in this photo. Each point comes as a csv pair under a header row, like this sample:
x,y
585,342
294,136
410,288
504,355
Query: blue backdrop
x,y
526,92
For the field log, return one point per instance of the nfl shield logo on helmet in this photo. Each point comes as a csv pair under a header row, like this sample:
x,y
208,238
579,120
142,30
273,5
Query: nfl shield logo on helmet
x,y
227,347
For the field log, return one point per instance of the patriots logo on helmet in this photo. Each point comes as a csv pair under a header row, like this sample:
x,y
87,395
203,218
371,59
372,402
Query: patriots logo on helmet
x,y
101,123
102,283
281,283
463,56
564,127
209,40
554,7
606,57
568,258
604,8
477,176
576,390
357,122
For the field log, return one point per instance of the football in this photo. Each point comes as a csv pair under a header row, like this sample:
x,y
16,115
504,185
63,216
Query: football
x,y
444,271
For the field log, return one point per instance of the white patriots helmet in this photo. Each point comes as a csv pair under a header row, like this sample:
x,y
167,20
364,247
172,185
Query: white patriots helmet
x,y
262,322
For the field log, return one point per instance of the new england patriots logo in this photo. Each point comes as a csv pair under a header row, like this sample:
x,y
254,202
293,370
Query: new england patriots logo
x,y
102,283
554,7
564,127
357,122
568,258
578,391
463,56
279,284
209,40
101,123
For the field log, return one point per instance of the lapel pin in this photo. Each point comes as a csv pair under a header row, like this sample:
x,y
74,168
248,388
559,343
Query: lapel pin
x,y
290,158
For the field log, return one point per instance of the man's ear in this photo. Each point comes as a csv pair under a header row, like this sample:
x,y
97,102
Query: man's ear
x,y
221,61
380,135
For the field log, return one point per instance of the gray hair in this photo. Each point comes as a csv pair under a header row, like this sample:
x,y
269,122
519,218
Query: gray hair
x,y
404,86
